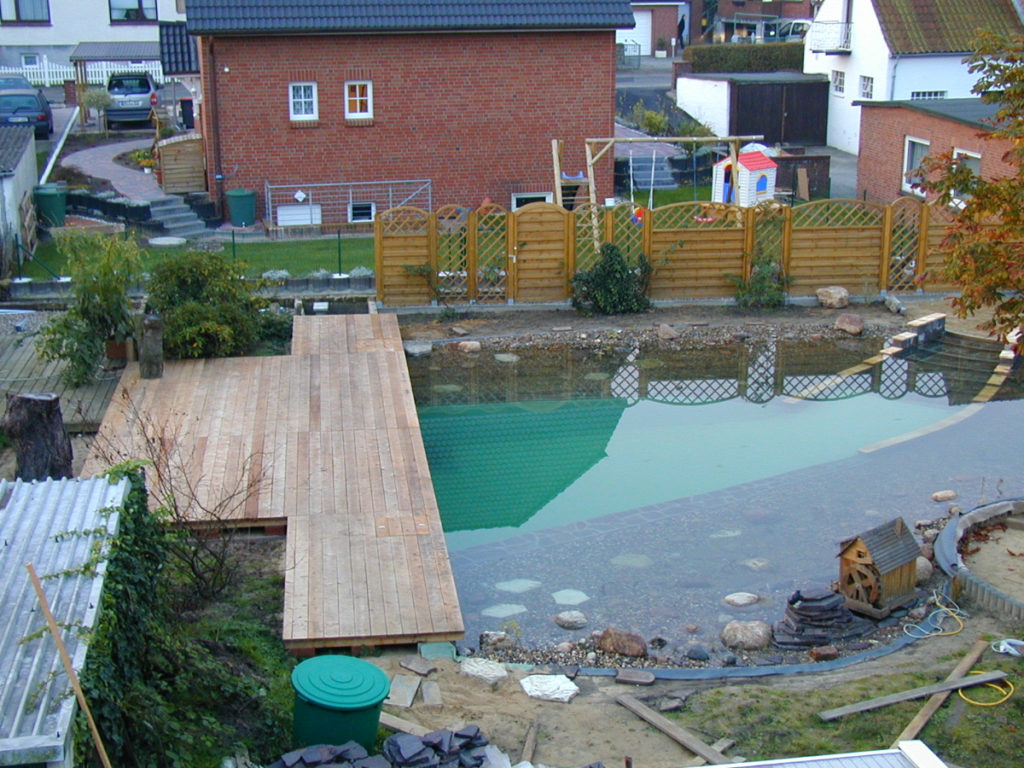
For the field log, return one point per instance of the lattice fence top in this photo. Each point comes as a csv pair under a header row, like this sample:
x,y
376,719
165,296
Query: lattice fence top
x,y
404,221
838,213
697,216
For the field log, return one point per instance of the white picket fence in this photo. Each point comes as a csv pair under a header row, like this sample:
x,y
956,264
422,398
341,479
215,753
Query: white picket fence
x,y
47,73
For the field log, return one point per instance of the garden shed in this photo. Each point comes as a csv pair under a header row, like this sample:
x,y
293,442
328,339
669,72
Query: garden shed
x,y
182,164
17,180
784,107
878,569
746,182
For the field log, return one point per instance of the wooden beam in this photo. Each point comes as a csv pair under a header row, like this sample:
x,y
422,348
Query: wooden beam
x,y
721,745
530,743
396,723
675,732
913,693
932,705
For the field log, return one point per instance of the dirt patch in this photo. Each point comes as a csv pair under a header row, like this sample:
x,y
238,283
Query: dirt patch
x,y
80,445
995,554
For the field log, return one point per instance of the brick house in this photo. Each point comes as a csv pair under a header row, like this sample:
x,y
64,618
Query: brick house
x,y
408,103
897,135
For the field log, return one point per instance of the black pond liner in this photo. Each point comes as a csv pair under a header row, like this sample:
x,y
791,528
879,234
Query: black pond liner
x,y
928,625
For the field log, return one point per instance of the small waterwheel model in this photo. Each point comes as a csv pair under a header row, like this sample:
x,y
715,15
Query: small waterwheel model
x,y
878,569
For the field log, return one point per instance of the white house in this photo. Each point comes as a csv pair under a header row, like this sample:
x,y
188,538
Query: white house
x,y
890,50
37,33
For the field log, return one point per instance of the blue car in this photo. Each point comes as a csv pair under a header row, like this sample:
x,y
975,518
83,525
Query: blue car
x,y
26,106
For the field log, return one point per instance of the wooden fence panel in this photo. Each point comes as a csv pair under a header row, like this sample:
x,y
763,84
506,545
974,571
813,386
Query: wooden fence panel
x,y
543,236
932,269
405,256
821,256
694,247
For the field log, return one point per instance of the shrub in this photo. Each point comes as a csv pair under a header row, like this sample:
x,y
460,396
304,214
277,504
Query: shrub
x,y
769,57
612,287
766,288
650,122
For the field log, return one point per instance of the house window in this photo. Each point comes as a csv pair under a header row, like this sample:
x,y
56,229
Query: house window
x,y
358,100
362,211
972,160
519,199
838,82
30,60
26,10
928,95
302,101
914,151
133,10
867,87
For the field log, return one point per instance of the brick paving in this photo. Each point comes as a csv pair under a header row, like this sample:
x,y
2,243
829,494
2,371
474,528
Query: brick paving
x,y
99,163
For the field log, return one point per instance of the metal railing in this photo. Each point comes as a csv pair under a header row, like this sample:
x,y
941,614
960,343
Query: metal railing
x,y
341,203
830,37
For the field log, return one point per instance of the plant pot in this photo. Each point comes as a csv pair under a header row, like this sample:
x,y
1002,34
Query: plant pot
x,y
116,351
147,169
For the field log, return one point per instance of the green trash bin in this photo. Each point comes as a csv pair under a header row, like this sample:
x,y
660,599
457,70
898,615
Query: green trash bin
x,y
337,699
51,204
242,207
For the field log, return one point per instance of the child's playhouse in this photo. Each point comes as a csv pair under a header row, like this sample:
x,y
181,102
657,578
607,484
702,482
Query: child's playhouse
x,y
751,182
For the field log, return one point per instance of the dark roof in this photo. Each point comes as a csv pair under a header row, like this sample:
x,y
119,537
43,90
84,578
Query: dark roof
x,y
890,545
178,54
973,112
943,26
13,140
211,17
147,51
759,77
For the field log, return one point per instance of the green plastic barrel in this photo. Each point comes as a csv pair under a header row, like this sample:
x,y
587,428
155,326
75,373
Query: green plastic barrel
x,y
337,699
51,204
242,207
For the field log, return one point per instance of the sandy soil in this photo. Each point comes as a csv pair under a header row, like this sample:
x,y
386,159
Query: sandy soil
x,y
999,560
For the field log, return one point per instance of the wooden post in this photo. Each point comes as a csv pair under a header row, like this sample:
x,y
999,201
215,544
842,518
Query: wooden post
x,y
68,667
433,256
886,260
35,426
922,246
556,162
378,256
472,256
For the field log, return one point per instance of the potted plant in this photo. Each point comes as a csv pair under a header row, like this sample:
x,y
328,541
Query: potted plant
x,y
661,49
99,318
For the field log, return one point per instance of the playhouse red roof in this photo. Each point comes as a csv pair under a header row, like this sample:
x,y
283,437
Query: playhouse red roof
x,y
756,161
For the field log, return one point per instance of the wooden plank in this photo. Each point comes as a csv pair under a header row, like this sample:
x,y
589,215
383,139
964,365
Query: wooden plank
x,y
675,732
932,705
914,693
530,743
396,723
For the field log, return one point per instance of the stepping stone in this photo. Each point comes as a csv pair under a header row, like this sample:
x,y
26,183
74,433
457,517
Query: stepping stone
x,y
634,677
503,610
550,688
570,597
506,357
403,691
517,586
484,669
430,692
417,348
418,664
167,241
440,650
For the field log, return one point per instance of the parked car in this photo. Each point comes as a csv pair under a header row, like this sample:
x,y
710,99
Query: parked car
x,y
134,94
27,106
14,81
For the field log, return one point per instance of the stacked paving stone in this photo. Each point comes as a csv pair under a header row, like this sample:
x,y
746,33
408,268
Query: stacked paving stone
x,y
817,616
438,749
348,755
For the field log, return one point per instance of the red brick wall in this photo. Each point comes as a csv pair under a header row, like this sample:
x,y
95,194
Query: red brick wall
x,y
882,134
727,9
475,113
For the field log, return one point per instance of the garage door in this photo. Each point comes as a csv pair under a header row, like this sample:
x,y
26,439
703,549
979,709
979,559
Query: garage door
x,y
641,33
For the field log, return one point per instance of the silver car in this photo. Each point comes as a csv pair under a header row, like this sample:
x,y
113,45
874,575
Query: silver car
x,y
134,94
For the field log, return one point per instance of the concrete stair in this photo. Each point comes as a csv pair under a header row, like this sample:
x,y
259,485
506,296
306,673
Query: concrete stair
x,y
177,218
663,178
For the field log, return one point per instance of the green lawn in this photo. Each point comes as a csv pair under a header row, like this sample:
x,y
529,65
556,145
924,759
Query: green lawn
x,y
299,257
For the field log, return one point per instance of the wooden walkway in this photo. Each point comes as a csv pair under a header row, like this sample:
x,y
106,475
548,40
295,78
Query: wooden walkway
x,y
330,441
22,370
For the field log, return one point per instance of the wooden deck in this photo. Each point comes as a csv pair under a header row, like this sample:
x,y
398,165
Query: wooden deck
x,y
22,370
333,432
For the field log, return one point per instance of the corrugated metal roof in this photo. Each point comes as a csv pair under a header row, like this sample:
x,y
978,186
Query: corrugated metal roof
x,y
13,140
116,51
53,525
883,758
320,16
890,545
178,54
943,26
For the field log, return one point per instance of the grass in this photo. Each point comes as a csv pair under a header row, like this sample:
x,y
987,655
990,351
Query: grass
x,y
769,722
299,257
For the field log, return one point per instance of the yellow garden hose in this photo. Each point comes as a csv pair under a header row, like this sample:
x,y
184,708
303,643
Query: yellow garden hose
x,y
1006,692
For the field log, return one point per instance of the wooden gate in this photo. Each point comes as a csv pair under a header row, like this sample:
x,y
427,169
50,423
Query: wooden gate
x,y
541,262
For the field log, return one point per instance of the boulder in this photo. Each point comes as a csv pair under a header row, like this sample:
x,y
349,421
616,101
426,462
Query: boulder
x,y
483,669
894,305
850,323
924,570
496,641
947,495
741,599
549,687
571,620
666,332
746,635
417,348
833,297
458,330
469,347
622,643
824,653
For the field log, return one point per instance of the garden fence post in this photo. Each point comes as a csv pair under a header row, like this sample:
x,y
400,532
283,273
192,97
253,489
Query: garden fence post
x,y
472,255
886,254
922,246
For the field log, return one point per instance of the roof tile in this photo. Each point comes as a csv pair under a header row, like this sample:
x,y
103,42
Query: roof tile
x,y
943,26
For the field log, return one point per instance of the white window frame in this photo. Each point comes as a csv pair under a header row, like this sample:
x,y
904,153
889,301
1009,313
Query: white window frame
x,y
928,95
521,199
907,185
30,60
355,114
361,203
838,82
293,102
867,87
958,201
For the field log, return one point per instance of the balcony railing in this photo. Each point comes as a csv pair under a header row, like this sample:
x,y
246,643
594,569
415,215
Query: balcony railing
x,y
829,37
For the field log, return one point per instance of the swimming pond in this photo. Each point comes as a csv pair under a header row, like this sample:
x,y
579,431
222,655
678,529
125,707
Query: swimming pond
x,y
642,487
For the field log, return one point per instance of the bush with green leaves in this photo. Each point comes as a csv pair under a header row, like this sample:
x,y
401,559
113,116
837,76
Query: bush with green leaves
x,y
649,121
102,269
209,308
613,286
766,288
768,57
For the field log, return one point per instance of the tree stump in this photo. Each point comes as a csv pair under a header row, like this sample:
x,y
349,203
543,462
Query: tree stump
x,y
35,426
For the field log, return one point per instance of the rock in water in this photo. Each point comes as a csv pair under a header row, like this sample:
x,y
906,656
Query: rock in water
x,y
622,643
851,324
746,635
571,620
